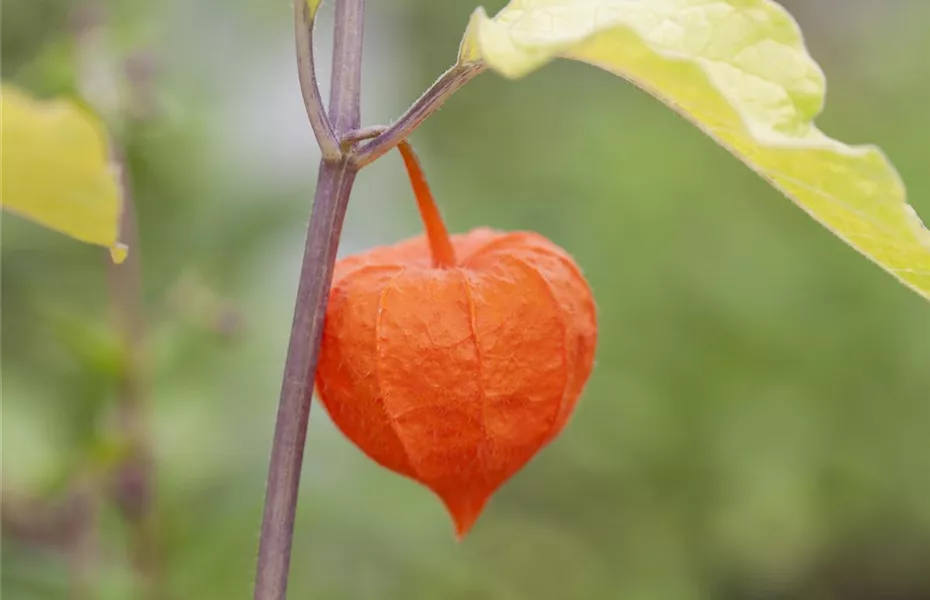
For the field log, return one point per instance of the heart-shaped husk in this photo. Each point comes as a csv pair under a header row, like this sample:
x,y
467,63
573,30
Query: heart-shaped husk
x,y
453,361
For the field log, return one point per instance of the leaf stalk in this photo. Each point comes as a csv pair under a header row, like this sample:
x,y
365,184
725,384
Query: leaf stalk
x,y
304,19
443,88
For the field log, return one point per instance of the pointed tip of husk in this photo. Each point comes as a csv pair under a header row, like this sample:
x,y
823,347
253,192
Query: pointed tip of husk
x,y
464,510
463,525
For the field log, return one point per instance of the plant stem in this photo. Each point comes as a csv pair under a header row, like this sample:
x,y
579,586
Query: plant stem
x,y
447,84
439,243
306,73
344,104
334,186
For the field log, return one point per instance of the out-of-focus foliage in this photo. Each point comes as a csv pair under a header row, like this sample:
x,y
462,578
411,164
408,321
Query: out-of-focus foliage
x,y
56,168
756,423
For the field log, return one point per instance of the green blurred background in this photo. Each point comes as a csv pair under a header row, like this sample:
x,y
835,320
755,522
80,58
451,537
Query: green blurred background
x,y
757,426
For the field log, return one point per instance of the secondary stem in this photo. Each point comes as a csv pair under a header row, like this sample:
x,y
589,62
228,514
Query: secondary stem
x,y
436,233
334,186
306,73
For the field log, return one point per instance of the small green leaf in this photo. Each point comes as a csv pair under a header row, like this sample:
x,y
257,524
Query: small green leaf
x,y
56,170
738,70
313,5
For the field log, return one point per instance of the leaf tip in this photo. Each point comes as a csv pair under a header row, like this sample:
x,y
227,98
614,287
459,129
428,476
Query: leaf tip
x,y
469,50
118,253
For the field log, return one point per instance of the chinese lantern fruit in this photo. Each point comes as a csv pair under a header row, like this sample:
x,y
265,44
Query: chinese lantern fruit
x,y
454,361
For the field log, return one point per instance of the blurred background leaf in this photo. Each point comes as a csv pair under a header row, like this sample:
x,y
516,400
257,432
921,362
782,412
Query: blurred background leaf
x,y
57,168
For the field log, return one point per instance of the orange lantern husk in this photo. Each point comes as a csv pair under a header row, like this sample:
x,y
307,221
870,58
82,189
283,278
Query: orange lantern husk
x,y
454,360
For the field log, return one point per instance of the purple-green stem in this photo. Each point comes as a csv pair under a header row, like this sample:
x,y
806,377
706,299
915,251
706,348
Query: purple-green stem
x,y
309,88
337,133
334,184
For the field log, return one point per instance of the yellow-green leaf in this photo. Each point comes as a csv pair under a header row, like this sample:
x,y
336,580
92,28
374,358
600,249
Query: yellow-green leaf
x,y
56,170
738,70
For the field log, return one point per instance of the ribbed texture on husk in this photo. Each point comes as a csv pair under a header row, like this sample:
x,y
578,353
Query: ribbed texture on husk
x,y
457,377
